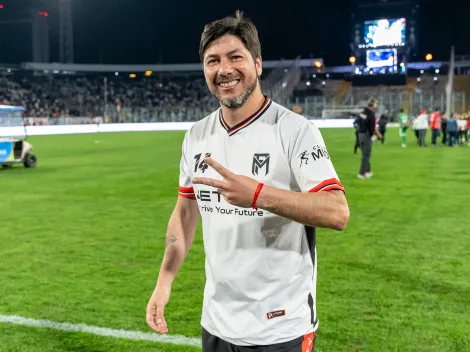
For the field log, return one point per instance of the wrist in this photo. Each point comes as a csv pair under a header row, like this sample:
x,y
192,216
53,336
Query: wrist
x,y
265,198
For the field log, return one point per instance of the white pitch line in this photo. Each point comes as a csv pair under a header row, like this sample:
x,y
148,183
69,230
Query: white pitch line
x,y
120,334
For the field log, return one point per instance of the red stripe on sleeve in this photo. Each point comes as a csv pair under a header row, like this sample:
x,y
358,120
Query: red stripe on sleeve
x,y
326,184
187,195
186,189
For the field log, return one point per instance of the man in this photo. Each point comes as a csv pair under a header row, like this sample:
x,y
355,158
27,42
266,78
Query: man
x,y
404,123
452,130
383,126
251,153
366,131
444,128
421,125
435,126
356,123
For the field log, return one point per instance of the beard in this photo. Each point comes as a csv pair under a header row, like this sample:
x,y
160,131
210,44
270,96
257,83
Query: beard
x,y
237,102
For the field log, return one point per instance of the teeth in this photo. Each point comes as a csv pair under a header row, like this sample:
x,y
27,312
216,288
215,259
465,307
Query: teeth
x,y
228,84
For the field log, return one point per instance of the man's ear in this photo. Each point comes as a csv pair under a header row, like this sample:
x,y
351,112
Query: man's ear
x,y
259,66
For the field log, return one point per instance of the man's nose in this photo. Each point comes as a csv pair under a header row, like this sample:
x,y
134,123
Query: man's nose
x,y
226,68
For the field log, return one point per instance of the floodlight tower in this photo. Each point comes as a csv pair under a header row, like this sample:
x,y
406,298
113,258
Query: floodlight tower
x,y
65,32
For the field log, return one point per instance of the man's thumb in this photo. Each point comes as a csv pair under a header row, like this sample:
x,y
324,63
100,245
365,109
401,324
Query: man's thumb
x,y
159,317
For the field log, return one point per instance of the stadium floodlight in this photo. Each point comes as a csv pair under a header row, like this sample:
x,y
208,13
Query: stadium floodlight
x,y
428,57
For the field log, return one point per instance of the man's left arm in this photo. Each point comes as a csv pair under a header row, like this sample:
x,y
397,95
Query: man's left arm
x,y
327,209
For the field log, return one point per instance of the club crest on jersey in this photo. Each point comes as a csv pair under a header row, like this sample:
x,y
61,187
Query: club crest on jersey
x,y
200,164
317,152
260,161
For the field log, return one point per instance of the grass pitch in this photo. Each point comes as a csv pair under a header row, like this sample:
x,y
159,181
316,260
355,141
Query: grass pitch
x,y
82,238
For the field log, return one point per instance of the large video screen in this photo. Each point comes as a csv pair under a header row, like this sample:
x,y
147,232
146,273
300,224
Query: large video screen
x,y
382,60
385,32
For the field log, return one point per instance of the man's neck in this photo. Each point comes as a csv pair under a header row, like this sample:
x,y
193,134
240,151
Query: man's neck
x,y
234,116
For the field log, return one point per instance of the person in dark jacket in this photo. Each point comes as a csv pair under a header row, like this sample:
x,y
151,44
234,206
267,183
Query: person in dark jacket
x,y
452,130
356,123
444,128
383,126
366,131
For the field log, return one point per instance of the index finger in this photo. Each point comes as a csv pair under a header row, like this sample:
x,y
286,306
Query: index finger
x,y
225,173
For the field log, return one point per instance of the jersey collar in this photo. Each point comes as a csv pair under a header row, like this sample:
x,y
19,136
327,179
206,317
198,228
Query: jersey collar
x,y
248,121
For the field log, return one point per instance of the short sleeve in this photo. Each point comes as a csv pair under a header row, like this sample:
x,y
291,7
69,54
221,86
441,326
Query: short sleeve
x,y
185,188
310,162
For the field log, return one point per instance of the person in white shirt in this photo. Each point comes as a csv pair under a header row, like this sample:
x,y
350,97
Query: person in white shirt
x,y
421,124
262,180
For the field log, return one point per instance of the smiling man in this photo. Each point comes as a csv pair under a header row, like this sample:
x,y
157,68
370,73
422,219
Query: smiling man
x,y
262,180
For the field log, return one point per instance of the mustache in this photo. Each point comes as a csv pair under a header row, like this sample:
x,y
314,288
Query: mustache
x,y
218,80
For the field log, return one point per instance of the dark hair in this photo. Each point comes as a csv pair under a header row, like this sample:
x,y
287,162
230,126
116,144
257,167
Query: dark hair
x,y
238,26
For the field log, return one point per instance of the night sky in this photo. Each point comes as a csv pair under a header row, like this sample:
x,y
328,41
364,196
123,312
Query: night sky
x,y
168,31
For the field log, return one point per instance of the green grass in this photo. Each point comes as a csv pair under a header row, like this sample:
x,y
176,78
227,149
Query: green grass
x,y
82,238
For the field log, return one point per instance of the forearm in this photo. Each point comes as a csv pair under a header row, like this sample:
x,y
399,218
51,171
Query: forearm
x,y
179,238
323,209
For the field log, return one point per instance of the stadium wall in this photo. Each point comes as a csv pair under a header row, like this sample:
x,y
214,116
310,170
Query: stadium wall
x,y
135,127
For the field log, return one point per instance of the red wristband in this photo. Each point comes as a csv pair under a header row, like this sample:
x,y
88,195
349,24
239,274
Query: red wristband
x,y
257,192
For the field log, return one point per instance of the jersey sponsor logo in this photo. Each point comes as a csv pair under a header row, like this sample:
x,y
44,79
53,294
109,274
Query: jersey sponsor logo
x,y
200,164
276,314
260,161
317,152
215,197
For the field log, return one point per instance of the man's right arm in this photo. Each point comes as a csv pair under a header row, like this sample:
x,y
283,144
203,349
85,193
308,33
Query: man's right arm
x,y
179,238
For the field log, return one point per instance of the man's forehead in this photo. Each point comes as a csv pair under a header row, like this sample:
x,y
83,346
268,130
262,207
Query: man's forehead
x,y
224,45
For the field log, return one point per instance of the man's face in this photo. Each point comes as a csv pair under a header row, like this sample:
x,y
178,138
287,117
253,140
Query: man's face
x,y
230,71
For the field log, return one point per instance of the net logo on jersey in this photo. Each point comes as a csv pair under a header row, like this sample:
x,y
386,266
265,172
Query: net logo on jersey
x,y
259,161
318,152
200,164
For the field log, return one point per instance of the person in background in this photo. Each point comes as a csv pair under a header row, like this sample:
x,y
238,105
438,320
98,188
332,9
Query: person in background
x,y
421,125
404,124
468,127
383,126
435,126
356,123
366,131
452,130
461,128
444,128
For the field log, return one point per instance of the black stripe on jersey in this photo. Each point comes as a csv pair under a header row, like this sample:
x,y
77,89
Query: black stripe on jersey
x,y
311,241
246,122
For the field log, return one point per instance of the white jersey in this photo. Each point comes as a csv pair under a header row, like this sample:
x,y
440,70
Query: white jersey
x,y
260,267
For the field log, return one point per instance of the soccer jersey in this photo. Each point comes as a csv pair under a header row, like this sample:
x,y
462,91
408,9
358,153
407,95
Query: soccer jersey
x,y
403,119
260,267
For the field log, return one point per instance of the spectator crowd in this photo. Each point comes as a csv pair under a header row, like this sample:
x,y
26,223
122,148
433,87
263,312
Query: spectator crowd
x,y
69,95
